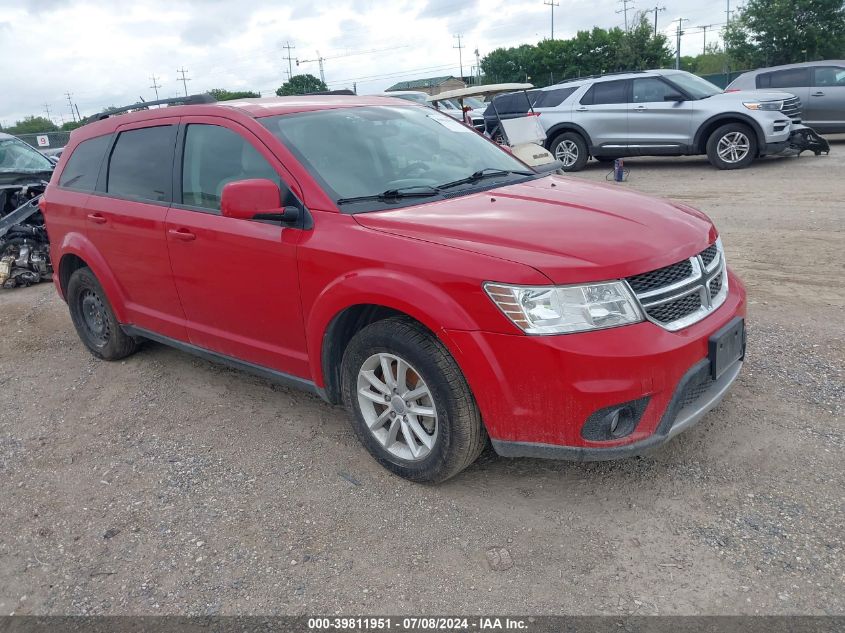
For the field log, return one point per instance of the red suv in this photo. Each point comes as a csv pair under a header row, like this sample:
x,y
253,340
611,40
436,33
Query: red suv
x,y
386,257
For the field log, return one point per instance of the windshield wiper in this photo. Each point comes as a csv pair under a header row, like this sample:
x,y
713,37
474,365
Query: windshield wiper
x,y
481,174
420,191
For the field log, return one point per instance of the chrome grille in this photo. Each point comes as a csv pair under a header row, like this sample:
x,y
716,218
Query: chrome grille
x,y
792,109
685,292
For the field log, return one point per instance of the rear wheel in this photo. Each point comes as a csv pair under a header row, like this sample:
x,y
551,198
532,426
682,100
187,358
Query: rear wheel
x,y
94,319
732,146
570,148
412,408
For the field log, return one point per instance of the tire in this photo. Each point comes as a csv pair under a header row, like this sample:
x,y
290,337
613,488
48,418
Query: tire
x,y
94,319
732,146
571,149
455,435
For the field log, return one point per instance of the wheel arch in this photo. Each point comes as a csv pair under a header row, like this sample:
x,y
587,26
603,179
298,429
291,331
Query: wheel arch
x,y
560,128
713,123
353,302
78,252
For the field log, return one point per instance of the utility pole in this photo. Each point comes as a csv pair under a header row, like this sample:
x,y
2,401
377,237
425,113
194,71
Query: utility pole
x,y
477,67
460,48
704,28
79,116
624,10
47,110
679,32
656,10
552,4
289,58
319,59
183,79
155,85
70,103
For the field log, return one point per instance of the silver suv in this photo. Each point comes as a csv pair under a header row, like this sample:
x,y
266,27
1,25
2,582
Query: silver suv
x,y
665,113
819,85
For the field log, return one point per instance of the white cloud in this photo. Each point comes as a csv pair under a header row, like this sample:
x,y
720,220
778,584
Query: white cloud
x,y
105,53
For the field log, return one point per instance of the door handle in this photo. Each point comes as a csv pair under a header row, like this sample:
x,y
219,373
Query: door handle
x,y
182,234
96,218
640,108
581,109
817,94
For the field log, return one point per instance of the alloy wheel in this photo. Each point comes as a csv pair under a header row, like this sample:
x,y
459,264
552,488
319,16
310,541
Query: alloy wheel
x,y
397,406
567,152
733,147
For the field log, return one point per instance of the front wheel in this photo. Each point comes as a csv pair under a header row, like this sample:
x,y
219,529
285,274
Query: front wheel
x,y
732,146
570,148
412,407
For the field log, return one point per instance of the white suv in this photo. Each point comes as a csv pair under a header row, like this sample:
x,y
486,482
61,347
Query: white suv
x,y
669,113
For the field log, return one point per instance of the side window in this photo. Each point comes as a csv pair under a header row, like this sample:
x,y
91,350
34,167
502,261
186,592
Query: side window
x,y
789,78
141,163
650,90
83,166
824,76
606,92
215,156
552,98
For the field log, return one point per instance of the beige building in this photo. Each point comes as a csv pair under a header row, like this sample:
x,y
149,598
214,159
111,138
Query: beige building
x,y
430,86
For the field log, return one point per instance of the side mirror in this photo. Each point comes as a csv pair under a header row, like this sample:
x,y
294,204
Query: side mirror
x,y
244,199
674,96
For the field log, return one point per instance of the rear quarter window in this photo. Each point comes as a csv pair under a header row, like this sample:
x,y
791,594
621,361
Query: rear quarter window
x,y
141,164
83,166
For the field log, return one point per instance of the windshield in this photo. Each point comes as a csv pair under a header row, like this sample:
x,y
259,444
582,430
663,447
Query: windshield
x,y
15,155
693,85
365,151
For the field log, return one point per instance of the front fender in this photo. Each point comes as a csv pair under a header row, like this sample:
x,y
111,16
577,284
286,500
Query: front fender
x,y
79,245
406,293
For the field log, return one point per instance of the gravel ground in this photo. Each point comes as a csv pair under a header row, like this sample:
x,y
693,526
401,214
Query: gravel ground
x,y
166,484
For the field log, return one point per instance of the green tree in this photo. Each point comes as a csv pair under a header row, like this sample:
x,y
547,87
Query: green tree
x,y
588,53
301,85
31,125
221,94
67,126
773,32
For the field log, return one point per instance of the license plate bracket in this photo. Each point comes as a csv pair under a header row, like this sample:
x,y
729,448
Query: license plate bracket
x,y
726,346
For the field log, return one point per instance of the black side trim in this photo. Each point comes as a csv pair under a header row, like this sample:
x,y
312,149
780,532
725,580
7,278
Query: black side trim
x,y
264,372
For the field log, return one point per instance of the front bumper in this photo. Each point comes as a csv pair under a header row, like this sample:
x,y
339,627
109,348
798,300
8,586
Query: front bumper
x,y
536,393
801,139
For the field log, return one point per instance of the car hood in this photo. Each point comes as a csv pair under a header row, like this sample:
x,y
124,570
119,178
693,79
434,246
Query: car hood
x,y
745,95
570,230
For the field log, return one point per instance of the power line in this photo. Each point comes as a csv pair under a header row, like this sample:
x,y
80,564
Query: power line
x,y
655,11
183,79
70,103
155,85
624,10
704,28
678,33
552,4
319,59
289,58
460,48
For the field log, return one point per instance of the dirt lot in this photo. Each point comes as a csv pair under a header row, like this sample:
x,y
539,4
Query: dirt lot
x,y
166,484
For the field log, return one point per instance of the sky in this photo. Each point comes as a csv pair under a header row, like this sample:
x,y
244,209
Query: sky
x,y
106,52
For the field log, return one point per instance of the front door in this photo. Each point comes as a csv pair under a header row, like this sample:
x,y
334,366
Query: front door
x,y
657,126
825,109
237,279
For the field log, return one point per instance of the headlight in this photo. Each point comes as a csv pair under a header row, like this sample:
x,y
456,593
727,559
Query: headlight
x,y
565,309
763,105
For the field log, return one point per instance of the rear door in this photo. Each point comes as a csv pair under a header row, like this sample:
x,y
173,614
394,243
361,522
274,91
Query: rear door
x,y
826,106
125,221
237,279
657,126
603,113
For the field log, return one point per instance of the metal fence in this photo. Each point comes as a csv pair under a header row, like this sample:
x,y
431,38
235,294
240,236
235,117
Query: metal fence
x,y
53,139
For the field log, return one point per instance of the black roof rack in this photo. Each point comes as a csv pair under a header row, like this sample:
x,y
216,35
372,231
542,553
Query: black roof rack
x,y
142,105
619,72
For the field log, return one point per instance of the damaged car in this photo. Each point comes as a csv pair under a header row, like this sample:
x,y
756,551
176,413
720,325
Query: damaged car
x,y
24,245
